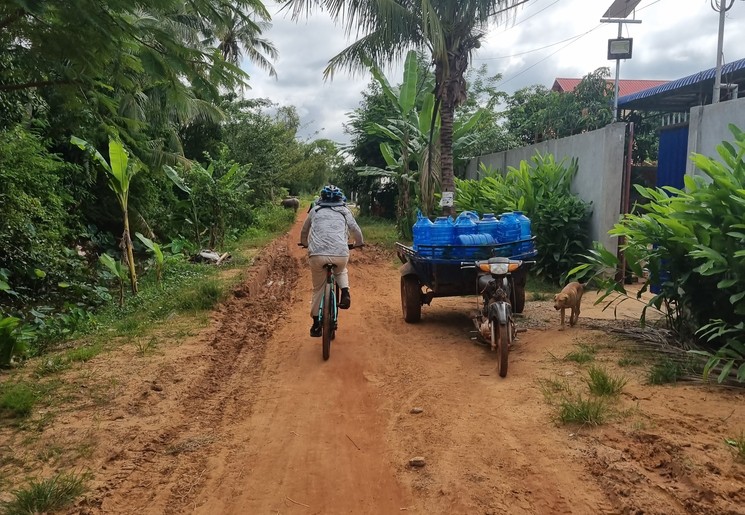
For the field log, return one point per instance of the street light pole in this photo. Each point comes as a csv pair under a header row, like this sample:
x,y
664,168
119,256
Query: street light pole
x,y
618,75
720,43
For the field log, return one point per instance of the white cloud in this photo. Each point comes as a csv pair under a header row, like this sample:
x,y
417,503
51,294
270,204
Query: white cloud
x,y
676,38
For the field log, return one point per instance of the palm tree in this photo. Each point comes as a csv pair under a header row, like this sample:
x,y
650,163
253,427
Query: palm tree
x,y
242,35
449,29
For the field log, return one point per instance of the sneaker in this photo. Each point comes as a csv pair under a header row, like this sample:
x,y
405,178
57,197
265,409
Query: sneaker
x,y
345,301
316,330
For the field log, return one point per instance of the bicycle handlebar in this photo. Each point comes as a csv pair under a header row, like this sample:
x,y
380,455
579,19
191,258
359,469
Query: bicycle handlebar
x,y
349,245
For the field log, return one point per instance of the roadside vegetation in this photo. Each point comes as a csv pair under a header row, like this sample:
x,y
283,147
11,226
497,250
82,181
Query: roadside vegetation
x,y
691,243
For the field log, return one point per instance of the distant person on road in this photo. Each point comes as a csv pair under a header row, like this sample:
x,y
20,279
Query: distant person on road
x,y
326,233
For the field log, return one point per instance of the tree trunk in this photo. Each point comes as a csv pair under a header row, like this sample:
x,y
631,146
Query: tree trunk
x,y
447,112
129,254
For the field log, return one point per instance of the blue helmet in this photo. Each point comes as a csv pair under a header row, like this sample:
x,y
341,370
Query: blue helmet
x,y
331,193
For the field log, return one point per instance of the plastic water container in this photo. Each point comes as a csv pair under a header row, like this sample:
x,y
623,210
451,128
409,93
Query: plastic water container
x,y
509,229
490,225
465,225
525,233
441,234
421,230
474,241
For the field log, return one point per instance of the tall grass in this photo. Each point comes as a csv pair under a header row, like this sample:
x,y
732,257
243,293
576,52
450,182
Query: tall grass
x,y
45,496
603,384
379,230
580,410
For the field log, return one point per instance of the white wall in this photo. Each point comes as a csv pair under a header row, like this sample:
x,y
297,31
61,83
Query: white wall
x,y
599,178
708,127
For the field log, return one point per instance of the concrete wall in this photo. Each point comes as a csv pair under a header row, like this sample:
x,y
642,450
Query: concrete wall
x,y
599,178
708,127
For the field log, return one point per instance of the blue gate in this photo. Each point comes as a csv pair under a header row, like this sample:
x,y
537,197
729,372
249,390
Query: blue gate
x,y
671,168
672,157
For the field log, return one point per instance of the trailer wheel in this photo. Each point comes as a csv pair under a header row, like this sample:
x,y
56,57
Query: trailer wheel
x,y
411,298
518,297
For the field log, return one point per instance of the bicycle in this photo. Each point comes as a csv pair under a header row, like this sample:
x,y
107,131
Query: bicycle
x,y
328,311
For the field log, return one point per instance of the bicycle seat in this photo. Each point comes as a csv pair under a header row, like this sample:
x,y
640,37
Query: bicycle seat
x,y
329,266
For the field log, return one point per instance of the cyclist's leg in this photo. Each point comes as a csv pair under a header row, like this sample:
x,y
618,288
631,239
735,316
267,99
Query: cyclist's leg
x,y
318,275
342,279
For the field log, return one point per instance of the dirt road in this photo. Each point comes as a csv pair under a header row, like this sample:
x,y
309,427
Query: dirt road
x,y
246,418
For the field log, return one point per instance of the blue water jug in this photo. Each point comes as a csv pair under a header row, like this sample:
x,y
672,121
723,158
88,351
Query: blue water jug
x,y
421,230
441,234
509,230
465,224
474,242
525,234
490,225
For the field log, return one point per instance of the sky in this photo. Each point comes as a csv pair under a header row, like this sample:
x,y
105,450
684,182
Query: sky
x,y
543,40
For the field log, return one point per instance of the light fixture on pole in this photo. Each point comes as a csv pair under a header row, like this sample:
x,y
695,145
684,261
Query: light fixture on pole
x,y
619,48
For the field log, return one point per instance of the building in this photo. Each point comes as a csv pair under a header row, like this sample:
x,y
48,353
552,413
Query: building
x,y
625,86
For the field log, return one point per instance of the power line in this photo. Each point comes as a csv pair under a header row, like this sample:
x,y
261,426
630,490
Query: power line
x,y
571,40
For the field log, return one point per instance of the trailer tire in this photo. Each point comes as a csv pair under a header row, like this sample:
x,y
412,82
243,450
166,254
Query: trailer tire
x,y
411,298
518,297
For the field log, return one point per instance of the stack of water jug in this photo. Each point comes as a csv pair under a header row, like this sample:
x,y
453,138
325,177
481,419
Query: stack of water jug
x,y
432,239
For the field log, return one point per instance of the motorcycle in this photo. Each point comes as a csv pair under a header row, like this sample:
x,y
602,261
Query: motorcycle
x,y
495,321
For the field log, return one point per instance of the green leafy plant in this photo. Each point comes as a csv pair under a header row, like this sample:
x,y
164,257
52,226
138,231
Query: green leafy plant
x,y
157,253
117,270
540,188
603,384
120,172
691,242
10,343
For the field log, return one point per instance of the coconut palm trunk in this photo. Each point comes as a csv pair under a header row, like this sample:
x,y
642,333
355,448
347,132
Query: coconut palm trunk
x,y
446,157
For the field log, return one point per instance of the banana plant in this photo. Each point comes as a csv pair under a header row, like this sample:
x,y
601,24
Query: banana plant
x,y
412,133
117,270
181,184
157,253
120,172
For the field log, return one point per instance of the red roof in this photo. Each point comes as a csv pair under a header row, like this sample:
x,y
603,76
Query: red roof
x,y
625,86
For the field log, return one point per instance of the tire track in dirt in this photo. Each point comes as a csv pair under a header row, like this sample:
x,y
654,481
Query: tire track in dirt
x,y
163,471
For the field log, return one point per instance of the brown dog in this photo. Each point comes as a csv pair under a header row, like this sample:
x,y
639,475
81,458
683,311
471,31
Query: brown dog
x,y
569,298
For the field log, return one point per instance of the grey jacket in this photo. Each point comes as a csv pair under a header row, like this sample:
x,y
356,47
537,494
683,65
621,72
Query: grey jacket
x,y
326,230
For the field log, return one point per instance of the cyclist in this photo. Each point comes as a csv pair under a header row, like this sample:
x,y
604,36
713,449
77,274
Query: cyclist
x,y
325,233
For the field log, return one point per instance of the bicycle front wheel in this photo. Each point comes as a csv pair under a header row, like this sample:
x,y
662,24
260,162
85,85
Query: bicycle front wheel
x,y
328,320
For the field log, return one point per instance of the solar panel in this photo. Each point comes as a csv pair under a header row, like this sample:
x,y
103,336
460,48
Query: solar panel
x,y
621,8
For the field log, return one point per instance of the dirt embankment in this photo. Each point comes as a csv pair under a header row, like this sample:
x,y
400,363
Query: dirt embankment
x,y
247,418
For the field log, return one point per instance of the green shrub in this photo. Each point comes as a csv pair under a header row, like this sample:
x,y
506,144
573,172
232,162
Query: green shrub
x,y
691,241
560,220
36,221
561,225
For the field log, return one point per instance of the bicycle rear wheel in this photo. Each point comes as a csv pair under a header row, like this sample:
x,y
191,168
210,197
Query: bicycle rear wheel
x,y
328,320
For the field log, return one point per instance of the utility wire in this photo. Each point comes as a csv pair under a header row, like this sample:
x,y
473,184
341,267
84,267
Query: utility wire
x,y
571,40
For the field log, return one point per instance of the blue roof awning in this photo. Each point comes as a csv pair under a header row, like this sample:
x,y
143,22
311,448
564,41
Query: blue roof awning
x,y
682,94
